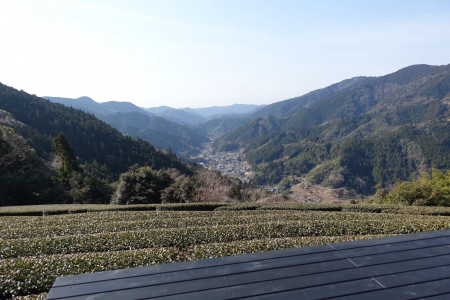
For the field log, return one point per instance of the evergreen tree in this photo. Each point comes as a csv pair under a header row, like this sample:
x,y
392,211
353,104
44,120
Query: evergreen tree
x,y
68,160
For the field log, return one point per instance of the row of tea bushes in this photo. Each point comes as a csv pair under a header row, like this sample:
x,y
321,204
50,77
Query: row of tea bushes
x,y
188,236
117,214
43,210
59,209
369,208
92,223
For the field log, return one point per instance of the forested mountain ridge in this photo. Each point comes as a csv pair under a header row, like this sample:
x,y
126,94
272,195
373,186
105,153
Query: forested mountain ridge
x,y
218,111
91,139
290,106
407,87
217,127
196,117
136,122
378,131
180,116
160,131
182,130
98,109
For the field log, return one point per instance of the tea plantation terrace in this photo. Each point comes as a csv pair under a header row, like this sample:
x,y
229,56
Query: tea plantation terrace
x,y
399,267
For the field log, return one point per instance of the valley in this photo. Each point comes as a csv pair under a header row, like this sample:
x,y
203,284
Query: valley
x,y
332,145
355,134
233,164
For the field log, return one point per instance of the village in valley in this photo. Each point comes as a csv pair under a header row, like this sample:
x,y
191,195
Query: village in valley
x,y
231,164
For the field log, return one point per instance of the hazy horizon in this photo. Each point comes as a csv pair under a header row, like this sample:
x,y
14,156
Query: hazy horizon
x,y
212,53
144,107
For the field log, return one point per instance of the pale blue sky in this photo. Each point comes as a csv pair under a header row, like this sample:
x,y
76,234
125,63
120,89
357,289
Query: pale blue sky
x,y
201,53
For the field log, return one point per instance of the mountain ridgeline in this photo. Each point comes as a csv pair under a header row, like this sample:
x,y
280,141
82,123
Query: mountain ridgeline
x,y
158,131
136,122
184,130
358,133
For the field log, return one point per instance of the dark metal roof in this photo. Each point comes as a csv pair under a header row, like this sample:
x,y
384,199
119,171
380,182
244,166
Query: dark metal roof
x,y
400,267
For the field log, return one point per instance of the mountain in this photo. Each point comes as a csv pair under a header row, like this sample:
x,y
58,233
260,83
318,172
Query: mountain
x,y
89,105
161,132
256,127
39,121
180,116
83,103
291,106
221,125
195,116
357,133
217,111
159,109
136,122
182,130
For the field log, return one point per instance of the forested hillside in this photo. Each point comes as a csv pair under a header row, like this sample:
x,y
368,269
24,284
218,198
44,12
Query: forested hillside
x,y
180,116
91,138
29,167
291,106
183,130
136,122
159,131
219,126
372,131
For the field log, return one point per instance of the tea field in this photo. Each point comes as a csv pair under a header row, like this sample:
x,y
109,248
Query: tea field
x,y
40,243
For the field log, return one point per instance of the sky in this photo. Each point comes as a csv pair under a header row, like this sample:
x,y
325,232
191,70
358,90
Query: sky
x,y
200,53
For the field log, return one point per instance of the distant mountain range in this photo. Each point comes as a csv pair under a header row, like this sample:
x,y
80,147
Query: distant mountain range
x,y
182,130
89,105
180,116
356,133
217,111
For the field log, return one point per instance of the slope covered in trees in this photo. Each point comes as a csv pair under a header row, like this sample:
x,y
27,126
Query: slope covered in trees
x,y
428,190
374,131
291,106
161,132
183,130
136,122
91,139
25,178
50,153
89,105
